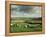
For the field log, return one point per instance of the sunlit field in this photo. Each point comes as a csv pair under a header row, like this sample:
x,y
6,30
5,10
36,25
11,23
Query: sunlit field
x,y
23,24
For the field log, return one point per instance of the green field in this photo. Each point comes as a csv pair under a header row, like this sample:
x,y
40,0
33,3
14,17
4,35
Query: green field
x,y
22,24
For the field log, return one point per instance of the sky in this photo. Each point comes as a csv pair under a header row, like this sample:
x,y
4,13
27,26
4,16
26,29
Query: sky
x,y
25,11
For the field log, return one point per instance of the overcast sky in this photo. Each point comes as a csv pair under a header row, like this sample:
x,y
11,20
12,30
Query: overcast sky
x,y
25,11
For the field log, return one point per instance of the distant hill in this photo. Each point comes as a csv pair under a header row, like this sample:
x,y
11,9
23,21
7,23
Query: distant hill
x,y
25,18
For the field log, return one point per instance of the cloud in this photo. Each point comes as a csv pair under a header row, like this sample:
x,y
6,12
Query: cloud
x,y
26,11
